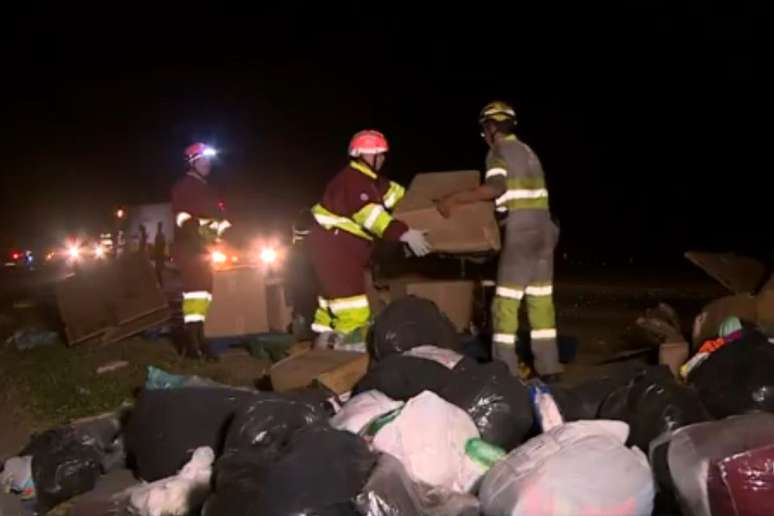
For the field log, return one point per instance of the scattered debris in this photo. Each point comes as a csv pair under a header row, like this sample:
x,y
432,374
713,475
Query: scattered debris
x,y
30,338
112,366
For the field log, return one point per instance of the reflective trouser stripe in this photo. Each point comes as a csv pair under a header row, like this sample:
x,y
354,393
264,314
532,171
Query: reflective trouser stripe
x,y
196,305
503,338
543,334
344,315
540,308
322,317
505,314
540,311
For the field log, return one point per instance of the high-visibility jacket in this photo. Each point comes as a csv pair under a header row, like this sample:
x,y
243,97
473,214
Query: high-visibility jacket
x,y
199,215
514,169
359,202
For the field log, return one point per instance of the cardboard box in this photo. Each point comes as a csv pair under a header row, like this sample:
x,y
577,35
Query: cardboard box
x,y
453,297
279,312
337,370
753,298
470,229
238,303
109,301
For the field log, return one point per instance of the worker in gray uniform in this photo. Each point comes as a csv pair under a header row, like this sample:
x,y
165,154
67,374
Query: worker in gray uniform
x,y
515,181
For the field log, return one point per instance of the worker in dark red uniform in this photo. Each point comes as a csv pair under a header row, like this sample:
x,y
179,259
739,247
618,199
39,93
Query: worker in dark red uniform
x,y
199,223
355,209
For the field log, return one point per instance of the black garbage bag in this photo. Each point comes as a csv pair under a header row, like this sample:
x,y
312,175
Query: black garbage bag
x,y
410,322
106,434
319,472
265,426
584,400
167,425
403,377
737,378
497,402
63,466
653,403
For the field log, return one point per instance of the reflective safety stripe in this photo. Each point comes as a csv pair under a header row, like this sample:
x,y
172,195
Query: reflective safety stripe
x,y
189,318
362,168
510,293
199,294
543,334
504,338
371,219
524,193
394,195
322,302
320,328
223,226
512,195
540,291
181,218
330,220
497,171
351,303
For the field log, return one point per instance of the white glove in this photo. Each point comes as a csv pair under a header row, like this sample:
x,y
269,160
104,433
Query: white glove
x,y
417,242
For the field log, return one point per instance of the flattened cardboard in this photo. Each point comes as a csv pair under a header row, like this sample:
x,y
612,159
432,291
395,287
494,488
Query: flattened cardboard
x,y
280,313
739,274
707,324
111,301
433,186
337,370
238,303
470,229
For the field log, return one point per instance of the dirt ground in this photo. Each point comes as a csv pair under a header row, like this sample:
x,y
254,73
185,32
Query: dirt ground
x,y
51,385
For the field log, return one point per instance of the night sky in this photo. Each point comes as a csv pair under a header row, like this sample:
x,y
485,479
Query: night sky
x,y
653,123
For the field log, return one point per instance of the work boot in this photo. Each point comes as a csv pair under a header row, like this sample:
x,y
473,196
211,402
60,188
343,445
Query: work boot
x,y
328,340
204,348
191,342
506,353
354,341
546,358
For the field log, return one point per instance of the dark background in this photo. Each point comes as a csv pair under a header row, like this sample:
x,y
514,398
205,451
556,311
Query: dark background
x,y
653,122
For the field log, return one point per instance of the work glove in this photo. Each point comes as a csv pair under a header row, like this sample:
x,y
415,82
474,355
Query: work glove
x,y
417,242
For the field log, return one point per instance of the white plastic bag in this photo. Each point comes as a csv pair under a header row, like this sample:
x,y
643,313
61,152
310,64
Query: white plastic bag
x,y
363,409
428,437
577,468
177,495
445,357
16,477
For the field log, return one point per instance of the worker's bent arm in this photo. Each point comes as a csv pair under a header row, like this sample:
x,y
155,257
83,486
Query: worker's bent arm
x,y
482,193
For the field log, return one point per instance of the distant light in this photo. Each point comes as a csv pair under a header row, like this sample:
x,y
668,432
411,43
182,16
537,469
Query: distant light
x,y
268,255
120,213
50,256
218,257
209,152
234,259
99,251
74,252
15,256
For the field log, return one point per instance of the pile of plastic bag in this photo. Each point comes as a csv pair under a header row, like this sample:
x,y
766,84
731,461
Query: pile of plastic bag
x,y
428,431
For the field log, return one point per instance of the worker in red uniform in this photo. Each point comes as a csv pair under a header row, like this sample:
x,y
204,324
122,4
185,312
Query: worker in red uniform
x,y
199,223
355,210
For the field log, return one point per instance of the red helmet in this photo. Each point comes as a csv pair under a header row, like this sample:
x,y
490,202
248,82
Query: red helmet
x,y
199,150
368,142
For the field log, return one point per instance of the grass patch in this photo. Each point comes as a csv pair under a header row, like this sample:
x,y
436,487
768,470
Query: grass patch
x,y
57,384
